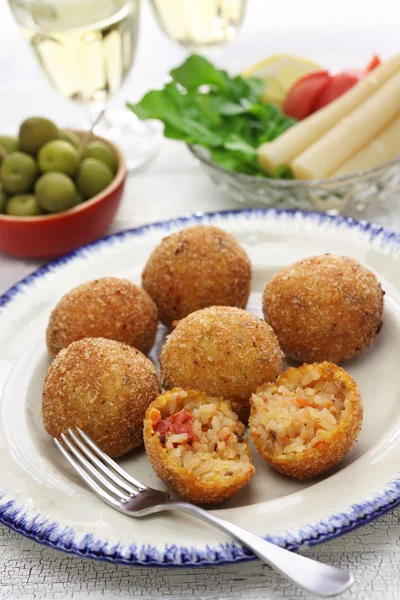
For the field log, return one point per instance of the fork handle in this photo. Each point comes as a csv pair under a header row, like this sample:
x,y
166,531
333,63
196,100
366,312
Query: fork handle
x,y
315,577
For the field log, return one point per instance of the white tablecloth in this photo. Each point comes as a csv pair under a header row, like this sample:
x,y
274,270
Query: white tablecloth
x,y
340,34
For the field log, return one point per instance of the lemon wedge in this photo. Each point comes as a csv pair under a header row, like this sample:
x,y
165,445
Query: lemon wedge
x,y
274,92
280,72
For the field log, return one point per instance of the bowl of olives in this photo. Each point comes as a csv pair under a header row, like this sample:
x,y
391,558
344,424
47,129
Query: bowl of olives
x,y
59,188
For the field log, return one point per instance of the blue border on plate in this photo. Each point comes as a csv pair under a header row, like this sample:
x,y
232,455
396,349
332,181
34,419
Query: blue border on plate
x,y
51,534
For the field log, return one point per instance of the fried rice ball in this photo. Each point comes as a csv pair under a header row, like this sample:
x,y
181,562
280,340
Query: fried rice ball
x,y
195,268
324,308
196,446
308,420
222,351
103,387
110,308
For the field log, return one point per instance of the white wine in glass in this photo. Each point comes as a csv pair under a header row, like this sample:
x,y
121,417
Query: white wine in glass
x,y
87,48
199,23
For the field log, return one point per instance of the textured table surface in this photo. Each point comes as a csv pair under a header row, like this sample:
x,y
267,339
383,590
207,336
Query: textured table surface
x,y
329,32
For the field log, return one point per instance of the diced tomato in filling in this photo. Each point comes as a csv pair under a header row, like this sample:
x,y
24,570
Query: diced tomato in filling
x,y
305,402
180,422
319,444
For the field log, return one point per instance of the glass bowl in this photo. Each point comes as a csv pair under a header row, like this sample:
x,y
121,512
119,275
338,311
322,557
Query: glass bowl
x,y
337,195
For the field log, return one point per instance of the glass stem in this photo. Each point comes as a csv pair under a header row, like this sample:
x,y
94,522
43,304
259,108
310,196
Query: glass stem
x,y
94,119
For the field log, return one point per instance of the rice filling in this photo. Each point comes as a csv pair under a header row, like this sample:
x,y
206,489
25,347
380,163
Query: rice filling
x,y
301,414
206,439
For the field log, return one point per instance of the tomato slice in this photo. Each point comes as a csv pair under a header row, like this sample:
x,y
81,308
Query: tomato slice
x,y
358,73
304,94
338,85
180,422
374,62
316,90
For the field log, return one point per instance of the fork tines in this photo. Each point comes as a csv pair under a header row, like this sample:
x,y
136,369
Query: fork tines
x,y
100,472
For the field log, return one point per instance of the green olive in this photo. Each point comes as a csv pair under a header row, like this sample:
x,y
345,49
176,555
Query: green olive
x,y
35,132
78,199
69,136
3,199
9,143
93,176
102,152
59,155
18,172
55,192
24,205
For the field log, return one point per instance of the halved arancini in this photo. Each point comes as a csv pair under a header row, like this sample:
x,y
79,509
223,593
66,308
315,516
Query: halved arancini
x,y
196,446
308,420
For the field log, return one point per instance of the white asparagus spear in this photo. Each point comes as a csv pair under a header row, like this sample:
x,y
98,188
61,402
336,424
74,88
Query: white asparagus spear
x,y
351,134
295,140
385,147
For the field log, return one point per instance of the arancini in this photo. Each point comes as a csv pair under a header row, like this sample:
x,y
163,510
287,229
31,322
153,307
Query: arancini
x,y
196,446
222,351
194,268
324,308
308,420
103,387
110,308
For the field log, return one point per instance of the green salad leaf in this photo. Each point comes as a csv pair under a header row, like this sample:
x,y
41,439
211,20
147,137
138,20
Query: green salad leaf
x,y
206,106
197,71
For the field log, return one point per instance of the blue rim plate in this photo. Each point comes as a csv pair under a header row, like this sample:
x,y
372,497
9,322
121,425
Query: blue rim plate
x,y
42,500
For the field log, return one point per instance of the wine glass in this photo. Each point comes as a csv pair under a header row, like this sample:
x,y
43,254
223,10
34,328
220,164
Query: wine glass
x,y
200,24
86,48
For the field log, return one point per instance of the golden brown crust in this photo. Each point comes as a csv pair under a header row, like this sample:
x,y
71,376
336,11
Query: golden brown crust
x,y
103,387
223,351
110,308
182,481
195,268
324,308
318,460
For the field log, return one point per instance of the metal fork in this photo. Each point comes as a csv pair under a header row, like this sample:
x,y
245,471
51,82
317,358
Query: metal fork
x,y
124,493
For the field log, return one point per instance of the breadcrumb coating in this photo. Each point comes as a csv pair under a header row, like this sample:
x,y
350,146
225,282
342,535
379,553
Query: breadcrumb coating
x,y
103,387
324,308
222,351
110,308
194,268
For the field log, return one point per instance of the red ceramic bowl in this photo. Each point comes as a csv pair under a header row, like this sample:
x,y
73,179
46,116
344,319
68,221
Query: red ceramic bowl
x,y
51,235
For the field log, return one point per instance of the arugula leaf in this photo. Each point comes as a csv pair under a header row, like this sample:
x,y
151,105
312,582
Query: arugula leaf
x,y
229,161
241,149
196,132
205,108
256,86
197,71
230,109
154,105
282,172
204,105
175,134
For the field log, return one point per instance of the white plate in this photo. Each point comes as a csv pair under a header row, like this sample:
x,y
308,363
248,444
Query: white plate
x,y
44,499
